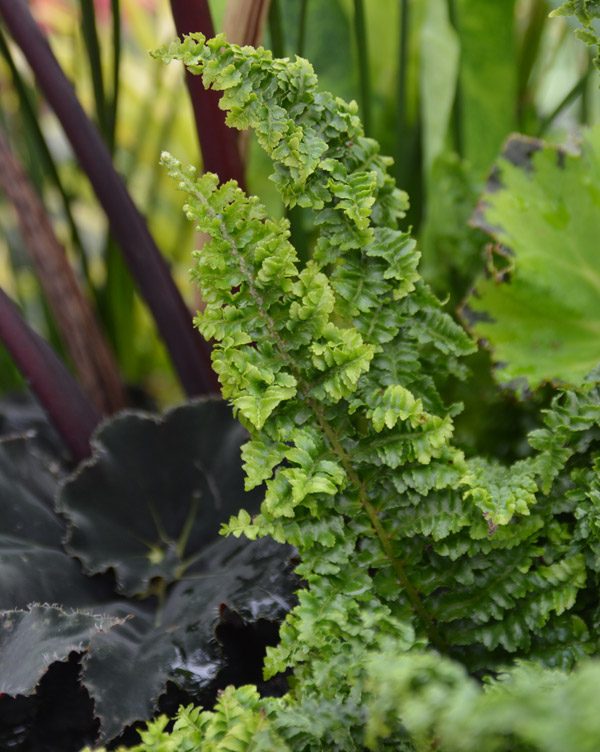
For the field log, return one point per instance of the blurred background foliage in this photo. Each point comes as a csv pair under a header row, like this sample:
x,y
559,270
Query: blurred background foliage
x,y
440,84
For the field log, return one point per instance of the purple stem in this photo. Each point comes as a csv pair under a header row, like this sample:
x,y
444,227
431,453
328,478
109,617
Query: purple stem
x,y
71,413
219,144
189,353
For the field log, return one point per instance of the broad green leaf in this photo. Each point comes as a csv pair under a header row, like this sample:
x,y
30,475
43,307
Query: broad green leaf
x,y
542,317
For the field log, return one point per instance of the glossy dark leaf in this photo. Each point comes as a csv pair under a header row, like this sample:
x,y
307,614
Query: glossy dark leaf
x,y
32,640
127,669
131,499
155,493
21,415
33,566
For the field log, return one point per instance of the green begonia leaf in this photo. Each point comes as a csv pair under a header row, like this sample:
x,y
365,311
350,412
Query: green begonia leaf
x,y
540,313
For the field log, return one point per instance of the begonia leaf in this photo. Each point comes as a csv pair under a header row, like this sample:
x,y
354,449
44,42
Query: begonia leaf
x,y
539,309
154,493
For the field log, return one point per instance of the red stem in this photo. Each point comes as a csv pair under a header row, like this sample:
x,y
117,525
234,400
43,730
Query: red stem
x,y
71,413
219,144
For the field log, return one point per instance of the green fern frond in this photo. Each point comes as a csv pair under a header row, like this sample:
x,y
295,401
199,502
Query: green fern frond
x,y
334,366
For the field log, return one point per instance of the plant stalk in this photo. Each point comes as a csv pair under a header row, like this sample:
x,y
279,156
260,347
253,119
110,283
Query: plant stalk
x,y
31,122
244,21
72,414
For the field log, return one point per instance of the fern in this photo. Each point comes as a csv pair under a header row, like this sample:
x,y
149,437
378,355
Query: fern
x,y
587,12
335,368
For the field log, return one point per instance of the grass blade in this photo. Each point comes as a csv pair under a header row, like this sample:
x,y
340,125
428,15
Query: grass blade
x,y
78,327
302,28
189,353
528,55
487,91
92,46
364,77
575,91
457,126
218,143
71,413
276,29
116,71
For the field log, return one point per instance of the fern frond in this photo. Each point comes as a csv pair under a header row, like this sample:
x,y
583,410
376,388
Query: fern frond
x,y
334,367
